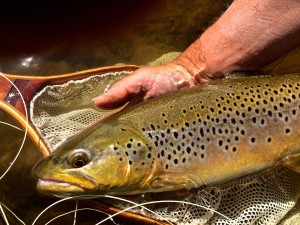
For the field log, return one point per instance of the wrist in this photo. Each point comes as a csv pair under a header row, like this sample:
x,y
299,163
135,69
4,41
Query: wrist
x,y
181,76
202,64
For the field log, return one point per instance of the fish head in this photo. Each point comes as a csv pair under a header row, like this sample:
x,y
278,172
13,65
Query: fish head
x,y
111,160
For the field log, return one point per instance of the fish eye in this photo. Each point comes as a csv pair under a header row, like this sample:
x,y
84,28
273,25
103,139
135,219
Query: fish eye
x,y
79,158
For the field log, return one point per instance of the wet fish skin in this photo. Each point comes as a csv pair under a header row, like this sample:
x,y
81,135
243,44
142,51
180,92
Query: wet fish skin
x,y
199,136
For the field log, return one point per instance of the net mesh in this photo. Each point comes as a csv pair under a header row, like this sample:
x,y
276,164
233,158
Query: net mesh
x,y
262,198
60,111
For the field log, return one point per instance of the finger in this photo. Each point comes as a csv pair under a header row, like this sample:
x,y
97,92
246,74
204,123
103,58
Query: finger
x,y
120,93
110,101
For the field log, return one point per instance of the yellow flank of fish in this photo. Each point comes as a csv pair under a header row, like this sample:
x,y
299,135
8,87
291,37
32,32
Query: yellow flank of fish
x,y
198,136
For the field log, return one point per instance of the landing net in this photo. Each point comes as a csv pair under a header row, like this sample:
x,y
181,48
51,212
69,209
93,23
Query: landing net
x,y
60,111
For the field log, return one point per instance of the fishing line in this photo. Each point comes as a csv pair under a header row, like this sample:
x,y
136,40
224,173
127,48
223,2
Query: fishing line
x,y
162,201
62,200
26,127
81,209
2,205
3,215
10,125
75,211
93,196
127,209
53,204
135,205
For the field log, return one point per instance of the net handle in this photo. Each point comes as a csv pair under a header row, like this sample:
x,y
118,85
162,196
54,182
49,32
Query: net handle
x,y
12,104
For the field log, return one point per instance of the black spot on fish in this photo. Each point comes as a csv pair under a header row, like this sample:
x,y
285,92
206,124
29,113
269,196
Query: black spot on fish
x,y
175,134
188,150
220,143
56,160
270,113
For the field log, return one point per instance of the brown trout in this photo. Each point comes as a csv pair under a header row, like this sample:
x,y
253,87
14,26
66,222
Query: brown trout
x,y
198,136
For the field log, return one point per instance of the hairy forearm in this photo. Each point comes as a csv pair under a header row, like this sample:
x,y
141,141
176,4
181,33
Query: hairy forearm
x,y
248,36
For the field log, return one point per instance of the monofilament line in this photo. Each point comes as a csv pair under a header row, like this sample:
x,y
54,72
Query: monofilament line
x,y
3,214
8,124
26,127
73,211
55,203
156,202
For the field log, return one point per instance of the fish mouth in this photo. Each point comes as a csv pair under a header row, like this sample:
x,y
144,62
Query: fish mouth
x,y
58,188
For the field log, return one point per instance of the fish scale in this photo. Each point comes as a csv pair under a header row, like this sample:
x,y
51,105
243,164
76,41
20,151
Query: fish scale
x,y
198,136
229,119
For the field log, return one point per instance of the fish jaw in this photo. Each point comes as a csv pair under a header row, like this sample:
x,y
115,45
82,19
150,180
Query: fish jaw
x,y
62,183
57,188
65,185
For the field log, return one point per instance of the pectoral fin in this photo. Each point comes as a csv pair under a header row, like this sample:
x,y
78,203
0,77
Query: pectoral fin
x,y
168,182
292,161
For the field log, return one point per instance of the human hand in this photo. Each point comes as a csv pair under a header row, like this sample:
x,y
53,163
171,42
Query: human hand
x,y
146,83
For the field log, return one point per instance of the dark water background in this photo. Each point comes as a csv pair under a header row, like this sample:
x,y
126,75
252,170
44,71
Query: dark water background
x,y
56,37
63,37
